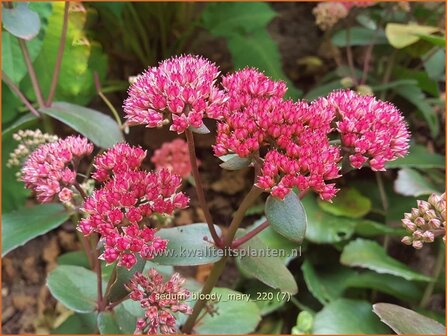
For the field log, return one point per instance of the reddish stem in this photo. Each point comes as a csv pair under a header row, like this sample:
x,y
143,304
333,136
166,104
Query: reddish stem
x,y
238,242
19,94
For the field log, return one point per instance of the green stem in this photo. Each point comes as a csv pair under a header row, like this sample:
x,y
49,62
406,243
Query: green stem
x,y
384,199
436,272
106,101
220,265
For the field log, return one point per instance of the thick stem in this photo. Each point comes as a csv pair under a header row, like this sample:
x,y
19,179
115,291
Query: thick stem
x,y
32,73
199,188
220,265
81,191
14,88
60,54
238,242
436,271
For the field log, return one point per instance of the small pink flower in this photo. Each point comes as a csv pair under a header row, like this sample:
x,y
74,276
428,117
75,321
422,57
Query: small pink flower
x,y
51,167
160,300
374,131
181,88
65,195
173,156
119,209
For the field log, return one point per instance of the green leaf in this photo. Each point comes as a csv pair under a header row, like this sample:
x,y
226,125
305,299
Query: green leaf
x,y
77,324
266,298
234,162
81,59
349,202
75,287
369,228
410,182
107,323
230,308
187,246
200,130
418,157
406,321
222,19
255,262
358,37
304,322
20,21
127,314
10,105
287,216
433,39
324,228
123,276
403,35
415,96
345,316
101,129
74,258
24,121
276,241
12,60
19,227
369,254
434,64
323,89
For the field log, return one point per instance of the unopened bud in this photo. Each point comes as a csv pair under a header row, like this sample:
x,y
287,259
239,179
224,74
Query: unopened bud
x,y
434,223
417,244
430,214
407,240
414,213
420,222
409,225
423,206
428,237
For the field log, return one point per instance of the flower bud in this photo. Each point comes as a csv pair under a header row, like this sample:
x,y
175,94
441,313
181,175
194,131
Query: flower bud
x,y
415,213
434,224
417,244
407,240
430,214
423,206
420,222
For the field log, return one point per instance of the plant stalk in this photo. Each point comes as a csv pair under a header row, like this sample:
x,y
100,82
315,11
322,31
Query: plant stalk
x,y
199,188
14,88
60,54
238,242
436,272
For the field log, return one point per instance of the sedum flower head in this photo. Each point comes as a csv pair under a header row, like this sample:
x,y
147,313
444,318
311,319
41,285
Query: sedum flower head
x,y
327,14
51,169
173,156
425,222
293,138
160,300
373,131
181,89
119,210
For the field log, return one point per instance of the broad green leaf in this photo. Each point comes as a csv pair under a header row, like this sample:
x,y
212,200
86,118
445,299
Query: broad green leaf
x,y
20,21
358,36
127,314
406,321
433,39
304,323
75,287
101,129
234,162
24,121
230,307
345,316
74,258
222,19
107,323
434,64
418,157
254,261
266,298
18,227
423,82
324,228
276,241
369,254
13,63
393,84
369,228
77,324
410,182
287,216
349,202
81,58
415,96
10,105
403,35
187,246
123,276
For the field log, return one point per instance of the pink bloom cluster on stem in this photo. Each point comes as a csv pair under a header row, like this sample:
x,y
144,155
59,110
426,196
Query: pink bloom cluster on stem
x,y
51,169
293,135
373,131
118,211
160,300
181,89
290,141
173,156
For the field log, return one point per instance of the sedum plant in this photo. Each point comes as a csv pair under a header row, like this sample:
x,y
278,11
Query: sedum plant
x,y
294,147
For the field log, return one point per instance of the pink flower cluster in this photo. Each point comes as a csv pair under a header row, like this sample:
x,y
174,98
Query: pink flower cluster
x,y
160,300
293,136
182,88
118,211
327,14
51,169
173,156
371,130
